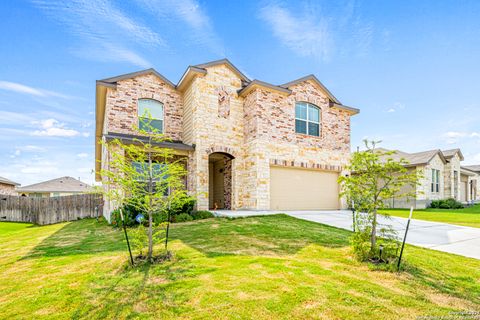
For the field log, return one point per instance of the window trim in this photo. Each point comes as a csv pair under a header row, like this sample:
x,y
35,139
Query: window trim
x,y
139,116
307,120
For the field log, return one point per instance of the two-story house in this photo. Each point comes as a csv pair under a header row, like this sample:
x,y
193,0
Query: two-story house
x,y
248,144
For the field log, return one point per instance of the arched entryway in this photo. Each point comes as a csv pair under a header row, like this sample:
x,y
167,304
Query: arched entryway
x,y
220,180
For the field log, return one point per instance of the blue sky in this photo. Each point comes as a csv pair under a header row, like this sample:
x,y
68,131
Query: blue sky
x,y
412,67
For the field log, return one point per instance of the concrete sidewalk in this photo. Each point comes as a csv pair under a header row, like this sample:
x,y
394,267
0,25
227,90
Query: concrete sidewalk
x,y
445,237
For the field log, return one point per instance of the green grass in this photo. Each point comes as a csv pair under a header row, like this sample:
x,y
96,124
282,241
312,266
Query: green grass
x,y
272,267
469,217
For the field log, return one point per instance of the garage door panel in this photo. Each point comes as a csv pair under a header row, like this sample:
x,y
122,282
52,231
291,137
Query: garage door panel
x,y
300,189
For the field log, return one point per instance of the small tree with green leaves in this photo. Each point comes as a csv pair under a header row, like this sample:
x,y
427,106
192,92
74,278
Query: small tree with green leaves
x,y
144,174
375,177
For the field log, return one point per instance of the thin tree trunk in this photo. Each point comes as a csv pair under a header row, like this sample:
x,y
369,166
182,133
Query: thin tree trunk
x,y
150,192
373,238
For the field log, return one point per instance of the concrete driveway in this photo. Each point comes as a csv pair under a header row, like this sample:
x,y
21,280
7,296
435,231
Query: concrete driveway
x,y
445,237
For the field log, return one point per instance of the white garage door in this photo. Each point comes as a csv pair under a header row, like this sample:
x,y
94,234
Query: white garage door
x,y
301,189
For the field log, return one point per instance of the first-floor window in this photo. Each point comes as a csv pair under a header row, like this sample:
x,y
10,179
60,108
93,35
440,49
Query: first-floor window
x,y
435,186
143,168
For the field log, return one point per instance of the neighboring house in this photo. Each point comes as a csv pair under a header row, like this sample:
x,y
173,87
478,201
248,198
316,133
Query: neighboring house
x,y
248,144
472,182
64,186
8,187
442,177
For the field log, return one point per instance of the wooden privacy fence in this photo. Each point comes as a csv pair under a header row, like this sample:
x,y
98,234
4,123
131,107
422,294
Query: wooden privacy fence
x,y
49,210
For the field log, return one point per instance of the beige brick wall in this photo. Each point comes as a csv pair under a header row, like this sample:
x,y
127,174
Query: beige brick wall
x,y
122,109
7,189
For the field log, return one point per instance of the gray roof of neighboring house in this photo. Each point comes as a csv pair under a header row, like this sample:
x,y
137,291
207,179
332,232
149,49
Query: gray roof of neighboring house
x,y
7,181
417,158
475,168
451,152
63,184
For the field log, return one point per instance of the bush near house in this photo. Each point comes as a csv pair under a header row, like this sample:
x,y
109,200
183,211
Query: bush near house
x,y
446,204
181,210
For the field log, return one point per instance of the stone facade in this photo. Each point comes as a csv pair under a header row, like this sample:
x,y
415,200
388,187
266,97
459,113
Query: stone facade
x,y
424,190
7,189
452,178
256,130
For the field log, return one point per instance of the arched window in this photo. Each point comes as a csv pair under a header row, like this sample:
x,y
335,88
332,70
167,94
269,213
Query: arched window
x,y
307,119
150,115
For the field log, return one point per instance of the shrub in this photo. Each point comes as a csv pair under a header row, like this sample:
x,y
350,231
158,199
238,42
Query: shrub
x,y
446,204
130,212
184,204
128,216
139,237
203,214
386,246
182,217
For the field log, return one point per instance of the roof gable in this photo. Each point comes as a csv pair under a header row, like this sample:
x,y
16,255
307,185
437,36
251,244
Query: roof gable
x,y
63,184
114,80
252,85
452,152
312,77
417,158
223,62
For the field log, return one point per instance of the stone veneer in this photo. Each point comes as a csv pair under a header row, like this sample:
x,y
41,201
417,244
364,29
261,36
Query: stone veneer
x,y
7,189
451,166
258,131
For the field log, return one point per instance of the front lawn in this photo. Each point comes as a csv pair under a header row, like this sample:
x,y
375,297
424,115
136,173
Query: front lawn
x,y
469,217
271,267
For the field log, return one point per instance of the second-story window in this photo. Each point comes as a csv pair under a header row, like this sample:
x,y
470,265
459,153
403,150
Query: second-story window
x,y
150,115
307,119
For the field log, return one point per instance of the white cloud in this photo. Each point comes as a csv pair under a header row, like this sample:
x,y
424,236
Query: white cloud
x,y
107,31
8,117
53,128
24,89
306,35
452,137
190,13
396,107
40,169
84,170
82,155
312,30
27,149
31,148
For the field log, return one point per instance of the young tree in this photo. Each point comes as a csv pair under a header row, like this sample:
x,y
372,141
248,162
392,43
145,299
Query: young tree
x,y
144,174
374,178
